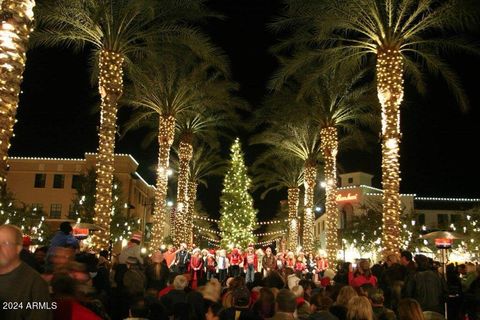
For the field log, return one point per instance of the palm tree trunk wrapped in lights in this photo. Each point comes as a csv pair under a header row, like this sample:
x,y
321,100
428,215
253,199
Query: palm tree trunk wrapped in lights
x,y
308,218
165,139
293,197
192,196
110,85
390,93
185,155
16,22
329,146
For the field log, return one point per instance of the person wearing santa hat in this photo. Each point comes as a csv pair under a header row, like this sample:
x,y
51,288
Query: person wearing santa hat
x,y
269,262
235,259
211,265
250,264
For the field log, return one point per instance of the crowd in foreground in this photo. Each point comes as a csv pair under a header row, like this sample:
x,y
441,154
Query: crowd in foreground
x,y
62,282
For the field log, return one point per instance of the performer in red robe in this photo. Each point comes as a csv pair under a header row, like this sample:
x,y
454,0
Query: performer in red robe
x,y
196,267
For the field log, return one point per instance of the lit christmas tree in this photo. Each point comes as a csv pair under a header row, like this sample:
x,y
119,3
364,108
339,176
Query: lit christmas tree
x,y
238,217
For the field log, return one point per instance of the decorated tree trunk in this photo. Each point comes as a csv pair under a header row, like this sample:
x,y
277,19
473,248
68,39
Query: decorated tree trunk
x,y
308,216
293,197
329,146
192,197
390,93
16,23
185,155
166,132
110,85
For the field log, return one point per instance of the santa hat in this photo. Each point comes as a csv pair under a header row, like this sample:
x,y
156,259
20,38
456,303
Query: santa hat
x,y
211,251
136,236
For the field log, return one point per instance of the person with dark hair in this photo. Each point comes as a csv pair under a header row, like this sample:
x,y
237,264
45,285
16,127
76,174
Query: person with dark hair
x,y
319,307
264,307
63,238
157,272
380,312
213,311
274,280
426,286
341,277
406,260
138,310
241,306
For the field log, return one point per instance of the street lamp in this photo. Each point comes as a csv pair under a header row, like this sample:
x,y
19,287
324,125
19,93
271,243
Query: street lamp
x,y
443,241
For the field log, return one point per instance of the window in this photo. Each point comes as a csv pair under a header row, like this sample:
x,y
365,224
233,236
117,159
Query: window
x,y
442,220
323,225
40,179
55,210
421,219
75,181
350,180
58,181
455,218
37,207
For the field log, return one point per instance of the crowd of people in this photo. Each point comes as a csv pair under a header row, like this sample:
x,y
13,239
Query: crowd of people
x,y
63,282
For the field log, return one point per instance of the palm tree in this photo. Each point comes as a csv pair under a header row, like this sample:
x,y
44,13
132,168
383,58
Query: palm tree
x,y
302,142
205,163
404,36
341,108
16,24
202,127
168,90
117,31
276,174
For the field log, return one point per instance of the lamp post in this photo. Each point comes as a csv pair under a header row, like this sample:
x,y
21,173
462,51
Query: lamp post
x,y
443,241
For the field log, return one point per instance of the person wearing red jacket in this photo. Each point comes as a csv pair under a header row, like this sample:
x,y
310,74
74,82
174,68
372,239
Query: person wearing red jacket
x,y
250,264
362,275
235,259
196,267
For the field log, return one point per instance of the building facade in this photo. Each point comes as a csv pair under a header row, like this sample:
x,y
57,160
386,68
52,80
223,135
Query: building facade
x,y
48,184
356,196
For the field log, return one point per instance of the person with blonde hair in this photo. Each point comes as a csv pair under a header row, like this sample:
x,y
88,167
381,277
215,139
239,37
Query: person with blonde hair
x,y
359,308
409,309
339,308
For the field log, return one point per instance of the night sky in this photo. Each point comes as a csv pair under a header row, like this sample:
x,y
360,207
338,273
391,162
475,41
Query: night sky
x,y
57,118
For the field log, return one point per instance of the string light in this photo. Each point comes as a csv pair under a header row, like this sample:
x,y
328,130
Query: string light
x,y
15,29
310,175
182,231
390,94
329,147
166,132
238,217
293,201
110,86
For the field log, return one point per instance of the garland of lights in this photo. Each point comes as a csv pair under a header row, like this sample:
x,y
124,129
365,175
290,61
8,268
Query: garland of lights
x,y
166,132
293,201
329,147
16,21
308,218
390,94
110,85
259,223
181,229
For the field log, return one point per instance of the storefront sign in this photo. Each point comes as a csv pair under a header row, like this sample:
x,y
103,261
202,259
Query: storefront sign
x,y
348,197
